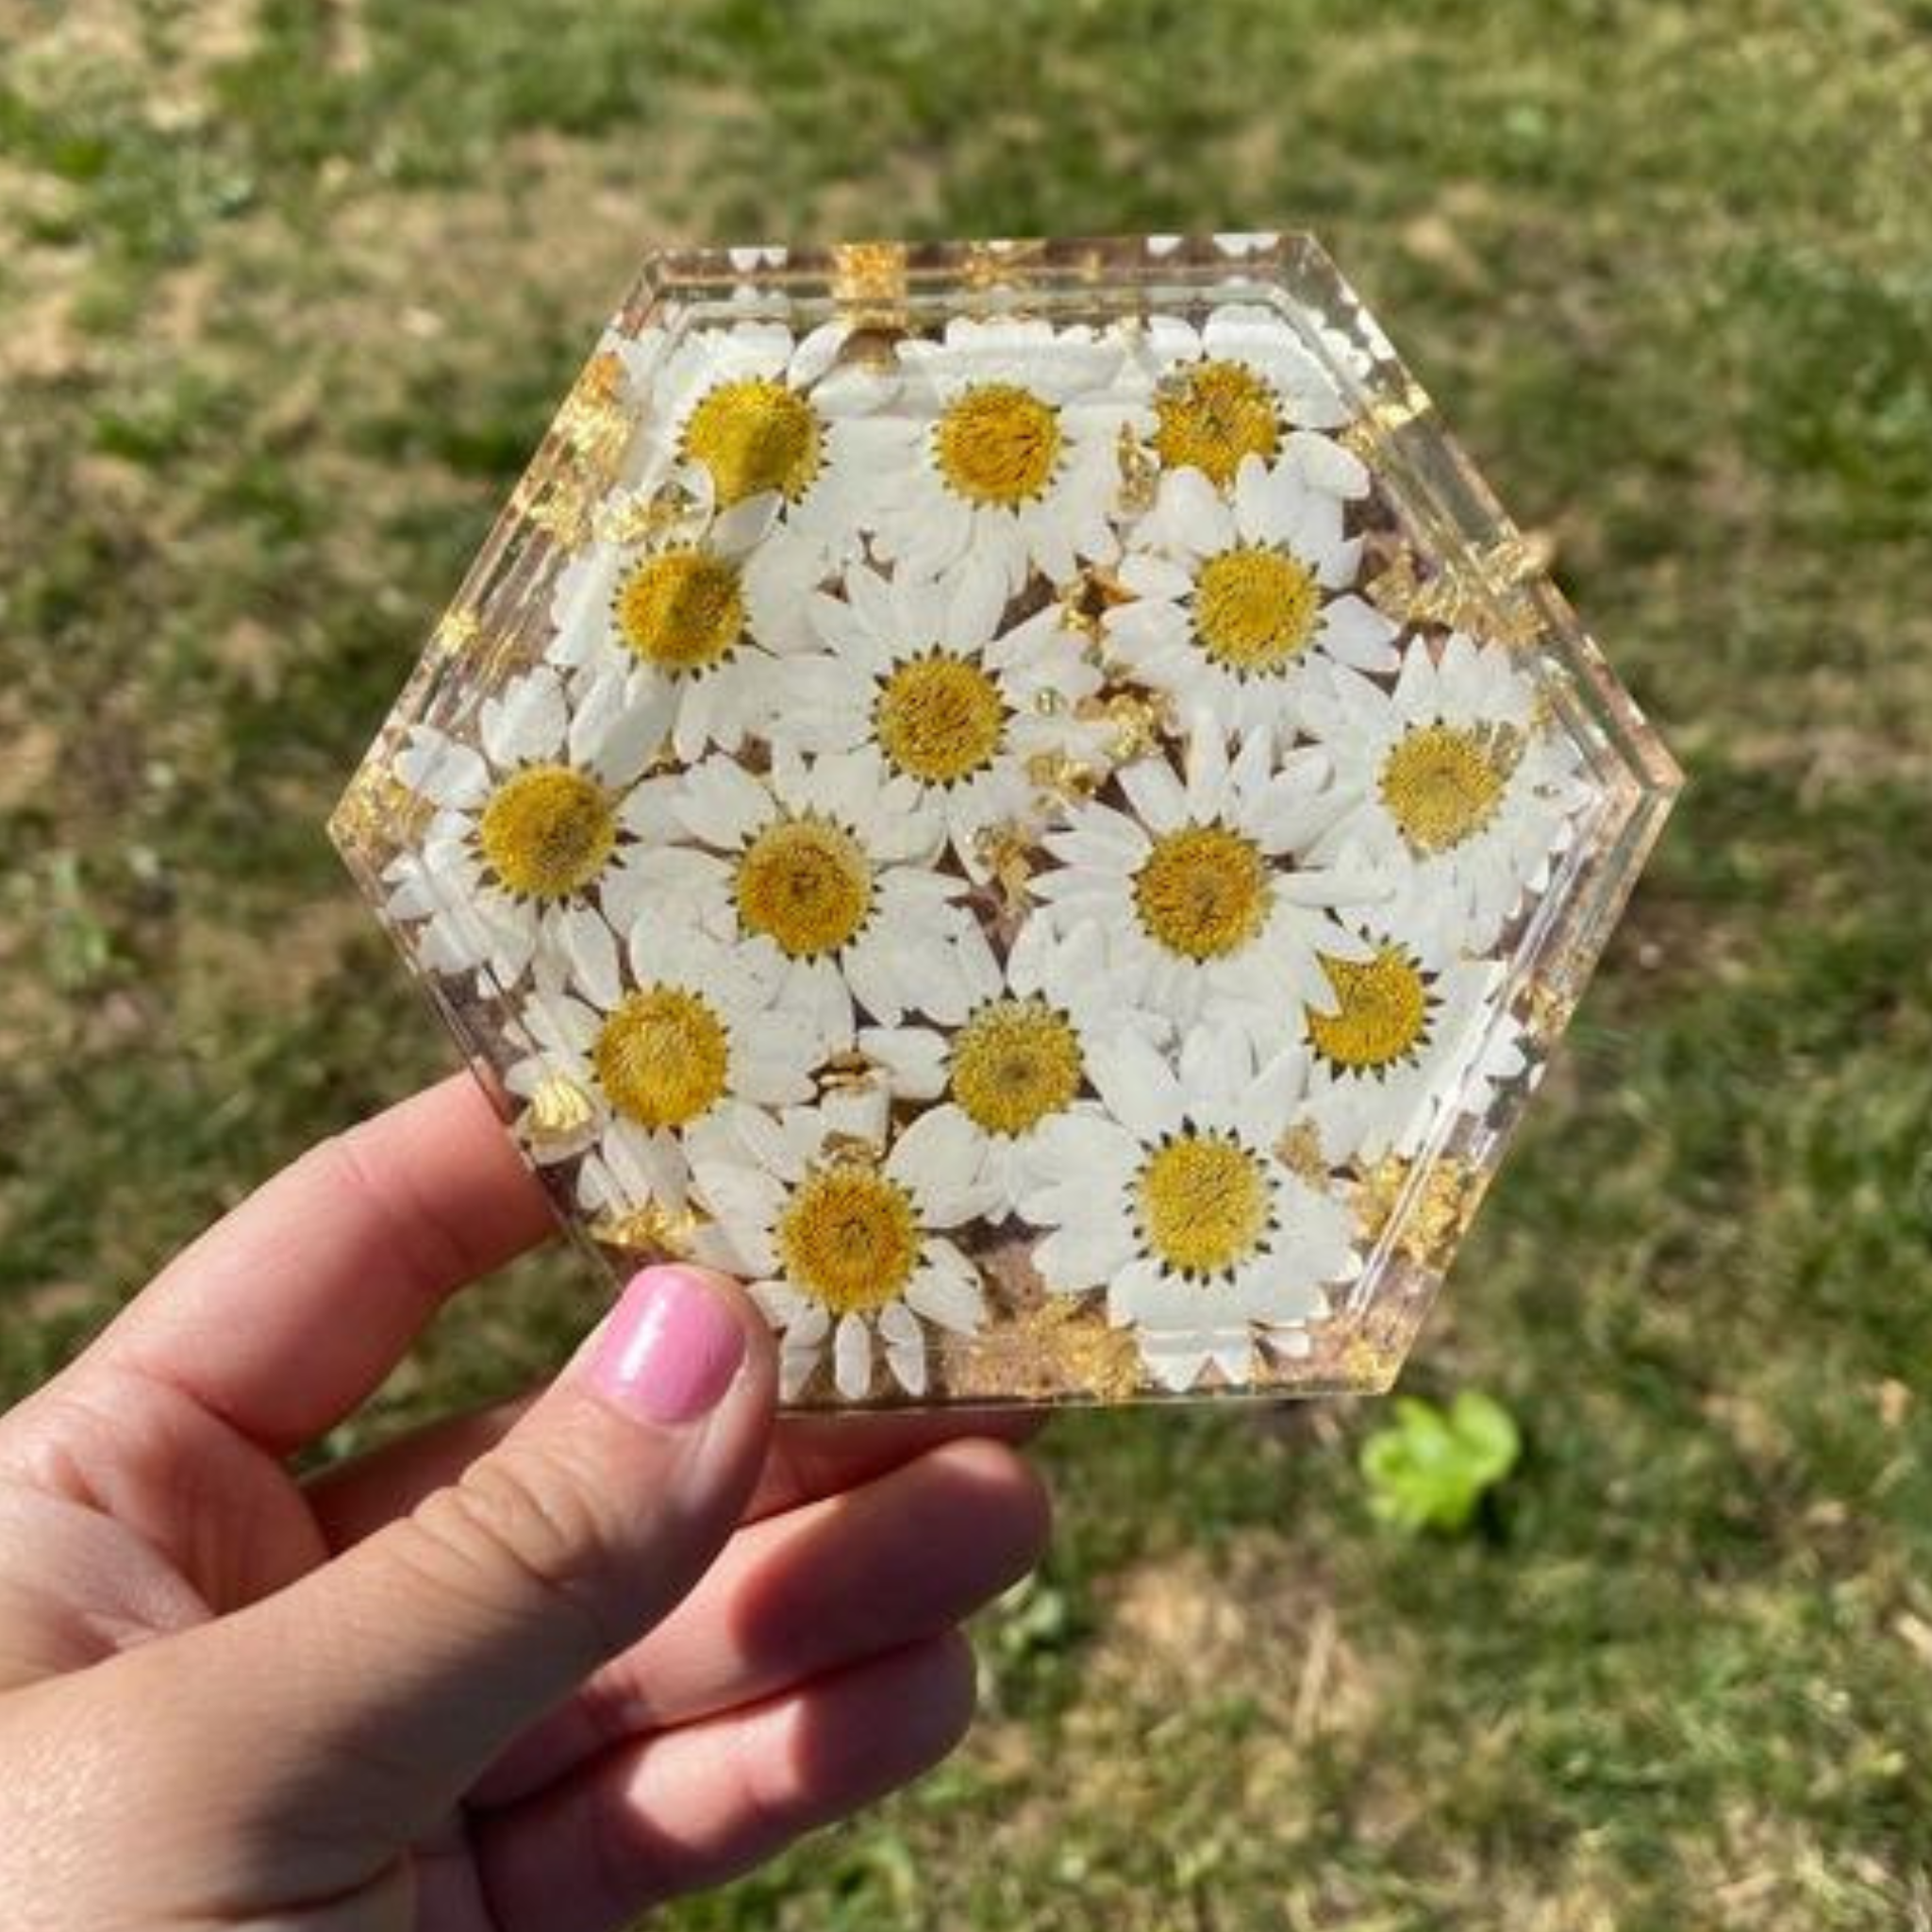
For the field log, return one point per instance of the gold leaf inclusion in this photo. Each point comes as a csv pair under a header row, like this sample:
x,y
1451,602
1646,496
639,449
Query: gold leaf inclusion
x,y
1483,599
1058,1346
1433,1216
652,1229
558,1111
1299,1150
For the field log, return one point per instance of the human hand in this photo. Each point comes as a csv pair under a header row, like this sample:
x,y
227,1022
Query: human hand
x,y
536,1666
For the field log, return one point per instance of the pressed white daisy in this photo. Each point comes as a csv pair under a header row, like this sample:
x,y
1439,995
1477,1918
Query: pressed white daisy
x,y
1019,1060
1457,785
1001,454
694,1035
842,1249
915,683
1243,598
1175,1199
1240,384
826,874
759,414
1204,894
528,859
1411,1029
691,626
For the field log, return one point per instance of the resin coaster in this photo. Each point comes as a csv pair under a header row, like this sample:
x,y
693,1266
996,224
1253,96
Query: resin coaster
x,y
1023,798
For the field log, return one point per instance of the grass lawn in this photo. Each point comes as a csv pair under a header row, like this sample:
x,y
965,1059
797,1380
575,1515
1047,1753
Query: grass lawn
x,y
286,293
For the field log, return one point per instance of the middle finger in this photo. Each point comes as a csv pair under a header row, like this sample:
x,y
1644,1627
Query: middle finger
x,y
814,1590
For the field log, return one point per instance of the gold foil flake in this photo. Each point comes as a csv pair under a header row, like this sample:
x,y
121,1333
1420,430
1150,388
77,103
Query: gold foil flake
x,y
999,264
1006,852
1465,596
1366,1364
1544,713
1299,1150
593,424
1138,721
1085,602
869,281
457,631
559,1111
1062,776
1059,1345
1546,1008
557,503
1435,1208
1139,472
1522,559
379,814
1383,418
850,1150
1395,589
1377,1194
850,1068
486,656
672,514
653,1230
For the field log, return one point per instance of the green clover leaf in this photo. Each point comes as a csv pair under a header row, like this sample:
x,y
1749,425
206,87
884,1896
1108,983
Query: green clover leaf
x,y
1431,1468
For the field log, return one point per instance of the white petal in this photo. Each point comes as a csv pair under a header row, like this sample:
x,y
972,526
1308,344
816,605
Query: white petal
x,y
445,772
528,721
906,1361
948,1294
795,1368
937,1157
852,1357
978,597
913,1058
1083,1256
1153,576
722,803
1136,1083
592,949
1190,507
1155,793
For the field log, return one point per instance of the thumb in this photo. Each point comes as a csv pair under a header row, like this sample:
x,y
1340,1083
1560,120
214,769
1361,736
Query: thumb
x,y
391,1676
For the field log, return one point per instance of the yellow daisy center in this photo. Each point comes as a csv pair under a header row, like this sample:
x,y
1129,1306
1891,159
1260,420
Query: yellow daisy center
x,y
806,883
1212,416
754,436
998,443
1255,610
1203,892
682,610
849,1237
1441,785
1014,1062
661,1056
939,717
1382,1011
1204,1202
547,832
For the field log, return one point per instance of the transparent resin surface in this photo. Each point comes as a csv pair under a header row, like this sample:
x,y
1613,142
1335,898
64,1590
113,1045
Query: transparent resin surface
x,y
1023,798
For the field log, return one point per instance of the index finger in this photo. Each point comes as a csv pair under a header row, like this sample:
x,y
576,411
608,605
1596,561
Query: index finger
x,y
810,1456
288,1311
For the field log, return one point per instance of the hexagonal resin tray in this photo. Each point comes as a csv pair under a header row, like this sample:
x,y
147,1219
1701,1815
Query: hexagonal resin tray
x,y
1021,797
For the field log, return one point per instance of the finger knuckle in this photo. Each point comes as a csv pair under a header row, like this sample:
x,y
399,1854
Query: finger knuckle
x,y
523,1527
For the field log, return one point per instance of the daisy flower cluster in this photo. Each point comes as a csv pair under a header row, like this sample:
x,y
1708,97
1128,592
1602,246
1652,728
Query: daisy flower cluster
x,y
968,805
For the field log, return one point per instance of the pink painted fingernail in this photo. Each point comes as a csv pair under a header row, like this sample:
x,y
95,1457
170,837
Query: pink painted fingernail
x,y
670,1348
